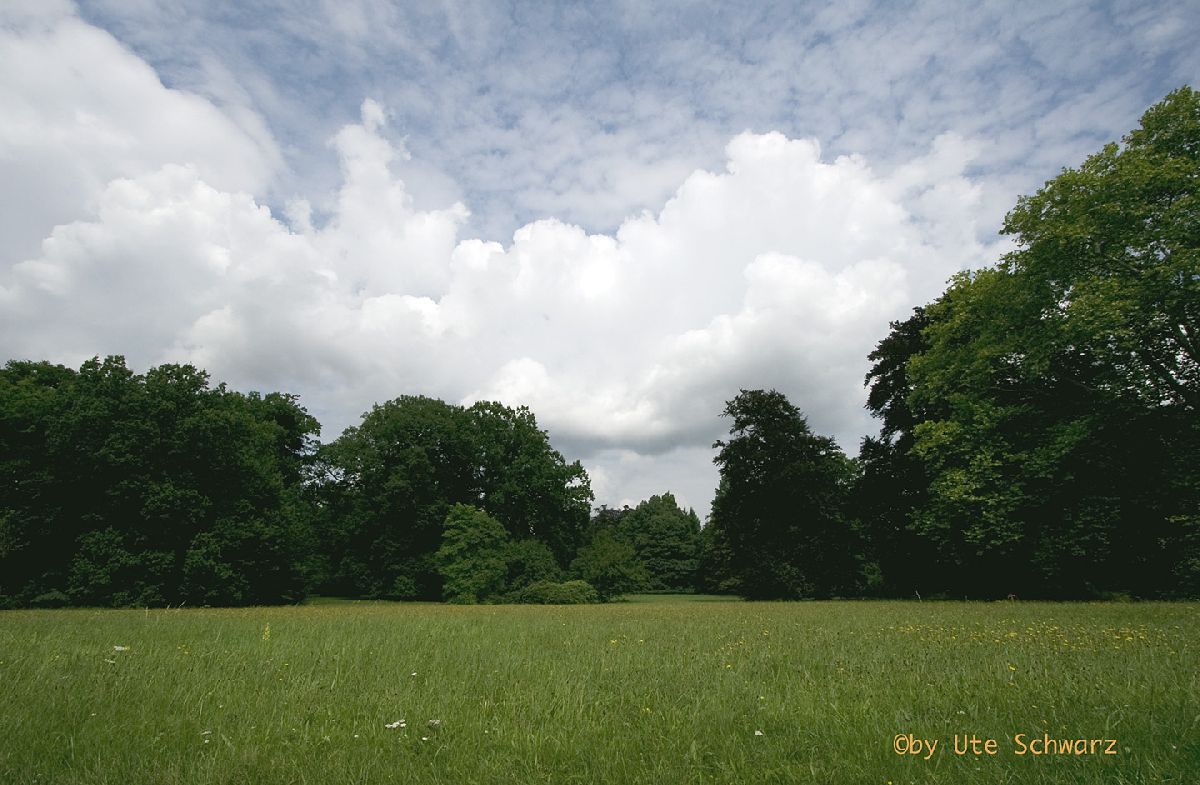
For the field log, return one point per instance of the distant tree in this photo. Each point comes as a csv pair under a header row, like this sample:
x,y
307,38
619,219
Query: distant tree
x,y
527,484
388,484
606,518
666,540
556,593
529,561
780,506
471,559
610,566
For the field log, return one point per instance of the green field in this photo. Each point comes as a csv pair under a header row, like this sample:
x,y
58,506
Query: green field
x,y
662,690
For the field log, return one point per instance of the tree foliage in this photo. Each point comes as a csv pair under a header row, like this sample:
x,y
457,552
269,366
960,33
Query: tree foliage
x,y
665,539
127,489
610,566
780,508
391,481
1046,443
471,559
556,593
891,480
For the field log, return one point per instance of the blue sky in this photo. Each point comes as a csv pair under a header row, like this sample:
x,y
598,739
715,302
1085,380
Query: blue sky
x,y
616,213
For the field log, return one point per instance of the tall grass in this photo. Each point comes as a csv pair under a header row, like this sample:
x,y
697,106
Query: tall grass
x,y
669,691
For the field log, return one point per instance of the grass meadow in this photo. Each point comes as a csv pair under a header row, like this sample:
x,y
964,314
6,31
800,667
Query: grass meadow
x,y
659,690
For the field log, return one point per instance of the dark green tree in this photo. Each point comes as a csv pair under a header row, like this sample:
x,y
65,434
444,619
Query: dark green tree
x,y
388,484
780,508
117,487
715,571
610,566
525,483
666,540
529,561
891,481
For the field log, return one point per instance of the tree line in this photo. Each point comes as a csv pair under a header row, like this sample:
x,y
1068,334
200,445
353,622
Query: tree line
x,y
1038,438
131,489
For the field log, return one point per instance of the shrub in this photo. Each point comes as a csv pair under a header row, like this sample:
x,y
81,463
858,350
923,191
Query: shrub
x,y
51,599
554,593
529,561
610,566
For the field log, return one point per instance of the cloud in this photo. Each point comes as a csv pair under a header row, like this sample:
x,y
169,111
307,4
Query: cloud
x,y
593,113
781,271
80,110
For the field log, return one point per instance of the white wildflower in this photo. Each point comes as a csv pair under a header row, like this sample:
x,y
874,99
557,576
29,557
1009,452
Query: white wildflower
x,y
394,725
758,733
434,723
120,648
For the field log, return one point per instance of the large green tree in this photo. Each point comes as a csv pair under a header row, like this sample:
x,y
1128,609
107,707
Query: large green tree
x,y
390,482
780,507
1057,393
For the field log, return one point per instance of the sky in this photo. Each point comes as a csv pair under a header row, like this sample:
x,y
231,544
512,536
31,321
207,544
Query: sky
x,y
618,214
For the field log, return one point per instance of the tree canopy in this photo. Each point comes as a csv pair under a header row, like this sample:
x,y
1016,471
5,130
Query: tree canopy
x,y
780,507
1044,411
391,481
122,488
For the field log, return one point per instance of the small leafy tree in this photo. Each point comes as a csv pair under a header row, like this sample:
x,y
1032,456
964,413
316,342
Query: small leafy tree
x,y
529,561
472,560
610,566
553,593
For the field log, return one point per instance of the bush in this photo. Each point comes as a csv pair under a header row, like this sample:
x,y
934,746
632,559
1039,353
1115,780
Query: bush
x,y
553,593
610,566
529,561
51,599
